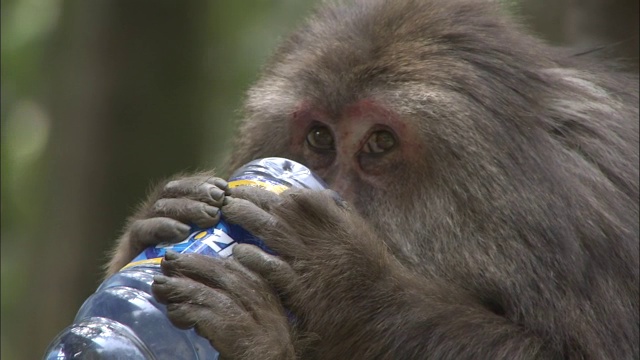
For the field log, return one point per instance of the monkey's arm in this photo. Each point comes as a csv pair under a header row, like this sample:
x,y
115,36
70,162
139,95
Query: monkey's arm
x,y
342,283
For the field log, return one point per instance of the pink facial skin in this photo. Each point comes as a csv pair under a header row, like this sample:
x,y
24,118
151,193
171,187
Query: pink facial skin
x,y
352,128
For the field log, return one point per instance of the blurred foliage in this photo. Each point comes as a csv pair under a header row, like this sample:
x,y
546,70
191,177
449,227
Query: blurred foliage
x,y
62,60
235,38
25,124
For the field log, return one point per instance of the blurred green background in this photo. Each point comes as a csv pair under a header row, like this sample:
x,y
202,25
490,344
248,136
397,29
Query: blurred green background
x,y
101,98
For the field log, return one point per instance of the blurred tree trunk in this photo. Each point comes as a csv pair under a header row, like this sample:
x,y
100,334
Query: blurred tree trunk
x,y
590,24
128,101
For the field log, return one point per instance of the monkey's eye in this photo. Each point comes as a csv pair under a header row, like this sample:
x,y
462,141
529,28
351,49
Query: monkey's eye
x,y
320,138
379,142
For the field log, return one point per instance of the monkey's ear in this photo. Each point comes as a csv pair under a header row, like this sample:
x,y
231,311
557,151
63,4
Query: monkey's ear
x,y
274,270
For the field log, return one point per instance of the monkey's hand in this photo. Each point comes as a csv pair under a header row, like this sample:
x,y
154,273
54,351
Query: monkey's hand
x,y
331,271
227,304
353,297
167,215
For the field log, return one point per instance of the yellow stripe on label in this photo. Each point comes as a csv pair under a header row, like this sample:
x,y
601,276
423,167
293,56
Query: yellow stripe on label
x,y
261,184
154,261
200,235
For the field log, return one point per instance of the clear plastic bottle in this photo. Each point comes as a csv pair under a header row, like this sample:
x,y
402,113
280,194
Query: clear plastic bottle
x,y
122,320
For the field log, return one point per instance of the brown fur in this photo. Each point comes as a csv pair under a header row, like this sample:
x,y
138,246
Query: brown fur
x,y
513,228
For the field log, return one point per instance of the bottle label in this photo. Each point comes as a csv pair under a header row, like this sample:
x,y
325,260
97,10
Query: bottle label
x,y
249,180
214,241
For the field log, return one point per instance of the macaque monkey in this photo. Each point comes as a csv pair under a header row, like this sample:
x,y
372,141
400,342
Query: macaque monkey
x,y
489,187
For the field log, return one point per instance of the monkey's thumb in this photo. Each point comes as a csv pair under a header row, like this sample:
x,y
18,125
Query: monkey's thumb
x,y
273,269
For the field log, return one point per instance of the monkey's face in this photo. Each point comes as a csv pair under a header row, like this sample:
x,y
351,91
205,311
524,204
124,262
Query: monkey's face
x,y
357,149
368,146
416,129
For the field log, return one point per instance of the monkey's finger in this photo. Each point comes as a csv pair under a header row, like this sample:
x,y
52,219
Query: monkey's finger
x,y
263,225
274,270
337,199
225,274
313,203
214,325
312,215
198,267
211,312
187,211
169,290
180,294
175,290
144,233
209,190
264,199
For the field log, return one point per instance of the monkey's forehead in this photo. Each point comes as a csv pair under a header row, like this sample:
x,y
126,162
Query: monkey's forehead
x,y
351,50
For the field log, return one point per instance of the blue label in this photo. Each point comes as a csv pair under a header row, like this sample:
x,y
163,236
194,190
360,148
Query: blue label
x,y
214,241
217,241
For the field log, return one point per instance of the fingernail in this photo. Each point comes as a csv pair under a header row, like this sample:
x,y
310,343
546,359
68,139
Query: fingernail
x,y
216,193
222,184
160,279
171,255
183,228
212,211
227,199
338,199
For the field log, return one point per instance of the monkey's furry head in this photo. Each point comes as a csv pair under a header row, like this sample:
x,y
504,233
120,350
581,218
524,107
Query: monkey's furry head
x,y
511,138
